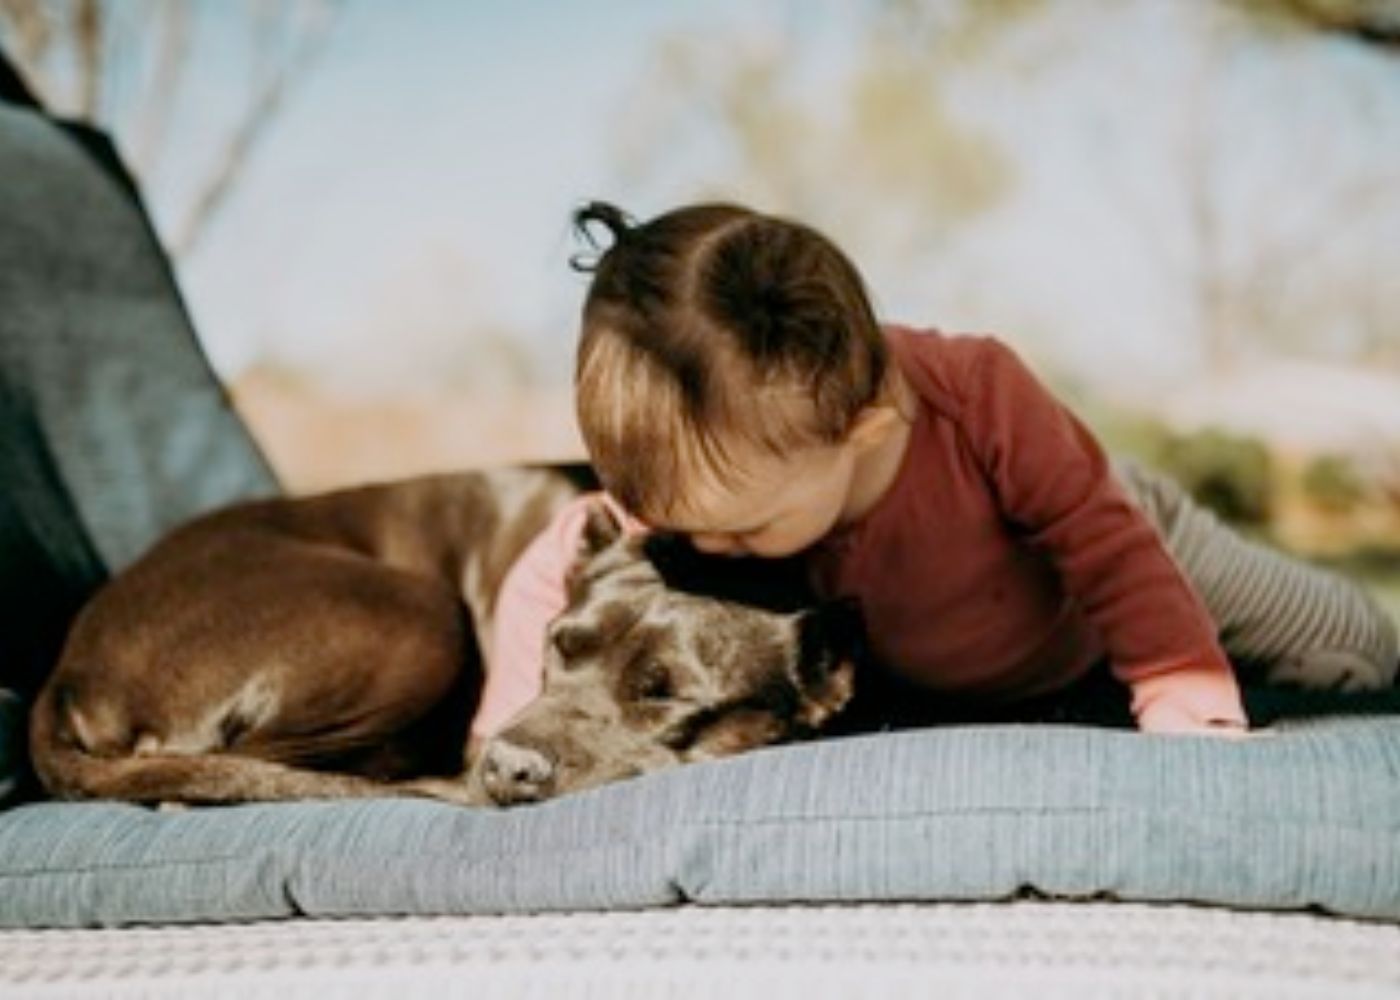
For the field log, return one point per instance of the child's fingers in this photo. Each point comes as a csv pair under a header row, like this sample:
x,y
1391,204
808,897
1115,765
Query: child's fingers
x,y
1236,733
1227,732
1180,724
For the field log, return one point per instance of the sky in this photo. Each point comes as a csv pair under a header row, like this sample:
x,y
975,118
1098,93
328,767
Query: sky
x,y
429,166
417,187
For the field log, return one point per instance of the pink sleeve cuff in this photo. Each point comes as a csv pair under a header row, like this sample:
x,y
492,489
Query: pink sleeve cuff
x,y
532,595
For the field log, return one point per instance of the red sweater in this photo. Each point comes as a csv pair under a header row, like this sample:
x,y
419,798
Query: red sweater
x,y
1002,562
1005,558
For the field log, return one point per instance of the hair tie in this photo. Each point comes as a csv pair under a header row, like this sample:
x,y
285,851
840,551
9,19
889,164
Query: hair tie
x,y
620,227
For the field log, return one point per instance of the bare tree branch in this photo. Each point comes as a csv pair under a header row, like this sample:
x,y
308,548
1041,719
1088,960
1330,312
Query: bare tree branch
x,y
87,35
33,35
251,130
102,43
1373,21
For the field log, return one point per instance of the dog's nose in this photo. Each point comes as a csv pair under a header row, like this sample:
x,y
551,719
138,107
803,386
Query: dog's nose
x,y
513,774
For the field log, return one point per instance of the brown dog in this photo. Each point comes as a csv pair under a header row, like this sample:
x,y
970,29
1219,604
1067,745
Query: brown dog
x,y
330,646
666,656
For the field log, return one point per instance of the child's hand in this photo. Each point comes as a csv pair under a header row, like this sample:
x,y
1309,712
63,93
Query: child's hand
x,y
1229,731
1171,721
1218,730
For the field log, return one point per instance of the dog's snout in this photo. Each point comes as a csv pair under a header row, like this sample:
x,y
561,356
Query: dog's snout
x,y
513,774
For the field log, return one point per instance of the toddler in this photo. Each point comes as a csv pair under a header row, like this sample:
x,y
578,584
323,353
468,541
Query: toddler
x,y
733,384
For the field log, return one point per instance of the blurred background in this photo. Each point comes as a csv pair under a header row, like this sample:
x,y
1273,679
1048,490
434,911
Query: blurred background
x,y
1184,213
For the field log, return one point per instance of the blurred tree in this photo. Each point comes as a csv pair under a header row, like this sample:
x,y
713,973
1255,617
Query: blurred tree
x,y
1286,258
123,64
1231,474
1371,296
1333,483
1254,281
891,126
1374,21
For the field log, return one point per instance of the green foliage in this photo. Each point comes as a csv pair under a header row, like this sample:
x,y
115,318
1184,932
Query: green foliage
x,y
1130,434
1333,483
1231,474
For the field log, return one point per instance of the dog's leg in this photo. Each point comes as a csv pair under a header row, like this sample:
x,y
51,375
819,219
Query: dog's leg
x,y
213,779
459,791
86,754
223,778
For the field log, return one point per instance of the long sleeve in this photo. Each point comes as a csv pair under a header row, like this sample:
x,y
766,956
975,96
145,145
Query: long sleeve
x,y
1055,485
532,595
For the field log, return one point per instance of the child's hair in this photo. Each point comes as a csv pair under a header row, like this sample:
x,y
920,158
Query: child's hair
x,y
698,326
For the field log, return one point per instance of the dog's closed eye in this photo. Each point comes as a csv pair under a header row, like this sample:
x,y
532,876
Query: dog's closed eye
x,y
575,641
651,681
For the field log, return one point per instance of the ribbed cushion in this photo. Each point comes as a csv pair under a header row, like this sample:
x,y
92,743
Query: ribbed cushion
x,y
1308,817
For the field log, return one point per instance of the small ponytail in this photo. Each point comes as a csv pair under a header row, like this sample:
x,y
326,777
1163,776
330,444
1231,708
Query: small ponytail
x,y
618,223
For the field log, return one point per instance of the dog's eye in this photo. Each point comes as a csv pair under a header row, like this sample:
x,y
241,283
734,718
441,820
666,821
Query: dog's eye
x,y
573,641
653,683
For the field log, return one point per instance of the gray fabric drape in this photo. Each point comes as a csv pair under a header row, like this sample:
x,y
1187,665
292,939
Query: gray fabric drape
x,y
112,426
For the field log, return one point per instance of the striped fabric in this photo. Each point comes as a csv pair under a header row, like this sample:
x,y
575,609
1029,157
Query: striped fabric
x,y
1280,618
1307,817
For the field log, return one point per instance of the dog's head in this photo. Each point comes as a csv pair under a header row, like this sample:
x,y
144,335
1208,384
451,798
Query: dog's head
x,y
665,656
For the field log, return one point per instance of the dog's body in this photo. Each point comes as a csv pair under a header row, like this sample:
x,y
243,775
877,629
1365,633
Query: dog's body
x,y
330,646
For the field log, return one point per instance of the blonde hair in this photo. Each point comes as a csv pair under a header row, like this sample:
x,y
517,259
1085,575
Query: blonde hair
x,y
700,328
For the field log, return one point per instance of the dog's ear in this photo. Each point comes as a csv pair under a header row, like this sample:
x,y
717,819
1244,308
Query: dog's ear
x,y
832,640
601,529
822,700
834,629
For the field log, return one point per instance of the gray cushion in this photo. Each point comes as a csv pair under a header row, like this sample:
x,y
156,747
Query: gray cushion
x,y
97,351
1310,817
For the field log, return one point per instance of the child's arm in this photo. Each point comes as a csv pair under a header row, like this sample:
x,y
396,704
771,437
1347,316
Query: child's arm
x,y
1054,481
533,593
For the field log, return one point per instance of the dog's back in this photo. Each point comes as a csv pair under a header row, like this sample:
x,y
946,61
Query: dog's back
x,y
329,646
327,631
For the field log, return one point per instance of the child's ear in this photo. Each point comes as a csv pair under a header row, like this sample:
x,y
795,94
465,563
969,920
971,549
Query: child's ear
x,y
873,424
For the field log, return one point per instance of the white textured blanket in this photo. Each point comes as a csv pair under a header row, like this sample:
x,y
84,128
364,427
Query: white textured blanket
x,y
1041,949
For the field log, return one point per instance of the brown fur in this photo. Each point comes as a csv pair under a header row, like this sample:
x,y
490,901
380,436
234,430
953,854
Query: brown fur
x,y
329,646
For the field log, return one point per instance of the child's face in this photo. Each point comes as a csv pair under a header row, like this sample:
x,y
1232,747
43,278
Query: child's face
x,y
779,506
